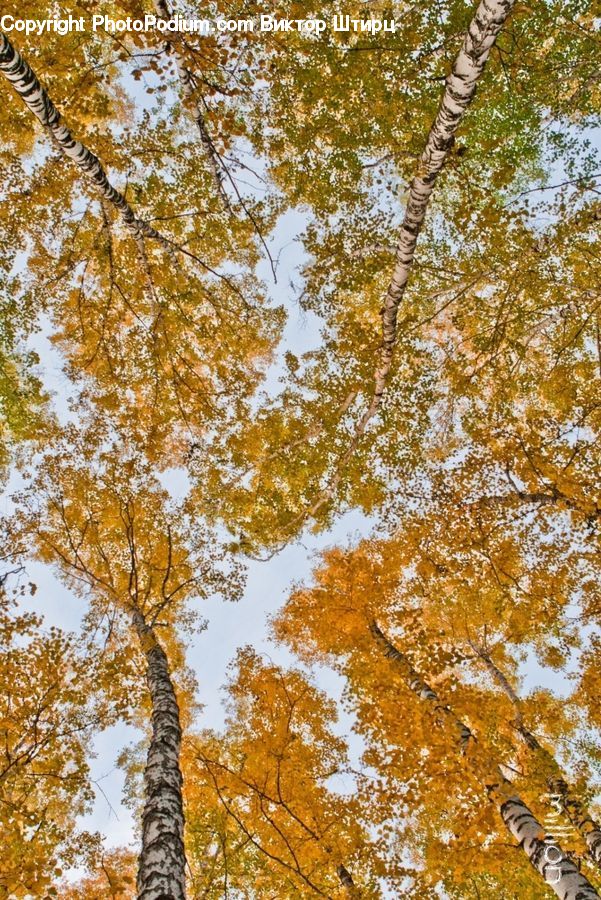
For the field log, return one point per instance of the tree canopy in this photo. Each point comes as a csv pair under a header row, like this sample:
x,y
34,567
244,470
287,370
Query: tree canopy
x,y
424,720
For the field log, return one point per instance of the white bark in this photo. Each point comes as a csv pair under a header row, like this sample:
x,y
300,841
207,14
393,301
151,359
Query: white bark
x,y
545,854
459,93
22,78
418,686
543,851
162,860
574,810
579,816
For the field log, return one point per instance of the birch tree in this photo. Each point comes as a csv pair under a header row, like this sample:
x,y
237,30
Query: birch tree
x,y
106,525
553,864
486,349
120,306
23,80
464,261
353,592
572,806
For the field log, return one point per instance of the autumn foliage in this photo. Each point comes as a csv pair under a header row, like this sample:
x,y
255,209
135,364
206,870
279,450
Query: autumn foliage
x,y
424,719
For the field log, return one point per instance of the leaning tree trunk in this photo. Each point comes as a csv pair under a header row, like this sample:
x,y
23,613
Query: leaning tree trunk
x,y
573,808
421,688
459,92
579,816
543,851
22,78
162,861
545,854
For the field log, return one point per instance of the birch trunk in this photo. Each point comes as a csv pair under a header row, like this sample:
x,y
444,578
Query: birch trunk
x,y
579,816
419,687
185,79
22,78
459,92
544,853
574,810
162,861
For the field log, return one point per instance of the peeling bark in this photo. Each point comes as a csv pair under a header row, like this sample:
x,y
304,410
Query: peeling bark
x,y
162,861
543,851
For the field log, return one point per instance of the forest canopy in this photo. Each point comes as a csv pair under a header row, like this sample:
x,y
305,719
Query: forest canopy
x,y
300,396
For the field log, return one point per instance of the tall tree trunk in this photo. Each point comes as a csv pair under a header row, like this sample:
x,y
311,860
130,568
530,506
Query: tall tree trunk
x,y
185,79
416,684
459,92
579,816
20,75
162,861
544,853
574,810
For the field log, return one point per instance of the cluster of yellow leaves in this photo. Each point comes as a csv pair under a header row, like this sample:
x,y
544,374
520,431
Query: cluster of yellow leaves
x,y
112,878
453,591
45,720
261,804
